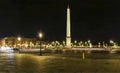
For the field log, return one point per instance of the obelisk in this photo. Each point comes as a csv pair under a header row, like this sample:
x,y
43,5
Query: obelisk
x,y
68,32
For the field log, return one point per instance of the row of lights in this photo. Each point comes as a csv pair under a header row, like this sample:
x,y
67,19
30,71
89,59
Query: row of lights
x,y
40,36
84,44
87,43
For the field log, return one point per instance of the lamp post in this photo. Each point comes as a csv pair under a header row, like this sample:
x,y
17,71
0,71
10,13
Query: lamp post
x,y
112,43
40,36
99,44
19,43
89,43
19,39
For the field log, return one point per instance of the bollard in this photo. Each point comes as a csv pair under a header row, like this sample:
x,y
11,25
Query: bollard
x,y
83,55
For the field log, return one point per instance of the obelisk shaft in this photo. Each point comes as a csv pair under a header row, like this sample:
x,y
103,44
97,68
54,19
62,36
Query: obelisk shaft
x,y
68,32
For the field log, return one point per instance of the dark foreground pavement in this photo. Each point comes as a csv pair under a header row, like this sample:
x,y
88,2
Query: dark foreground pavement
x,y
59,63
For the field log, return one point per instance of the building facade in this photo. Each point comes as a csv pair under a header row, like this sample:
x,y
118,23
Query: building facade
x,y
19,42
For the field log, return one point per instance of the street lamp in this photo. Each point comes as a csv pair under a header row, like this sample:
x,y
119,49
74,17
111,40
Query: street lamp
x,y
112,43
19,43
99,44
19,39
89,43
40,36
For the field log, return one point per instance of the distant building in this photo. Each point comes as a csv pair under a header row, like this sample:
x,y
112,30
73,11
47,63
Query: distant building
x,y
19,42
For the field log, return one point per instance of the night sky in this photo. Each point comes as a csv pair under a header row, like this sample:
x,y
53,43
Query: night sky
x,y
97,20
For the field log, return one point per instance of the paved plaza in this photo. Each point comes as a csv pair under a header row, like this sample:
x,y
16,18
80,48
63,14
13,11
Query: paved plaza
x,y
58,63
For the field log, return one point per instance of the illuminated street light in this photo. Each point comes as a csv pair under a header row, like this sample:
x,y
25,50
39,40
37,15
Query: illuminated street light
x,y
75,43
86,44
113,44
88,41
103,44
99,44
19,39
81,43
63,43
40,36
90,44
111,41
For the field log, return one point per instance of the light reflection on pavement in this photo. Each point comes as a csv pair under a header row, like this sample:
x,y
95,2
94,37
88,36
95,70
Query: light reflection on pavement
x,y
29,63
7,62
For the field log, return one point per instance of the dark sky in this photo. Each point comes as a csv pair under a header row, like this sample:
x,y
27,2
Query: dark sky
x,y
98,20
